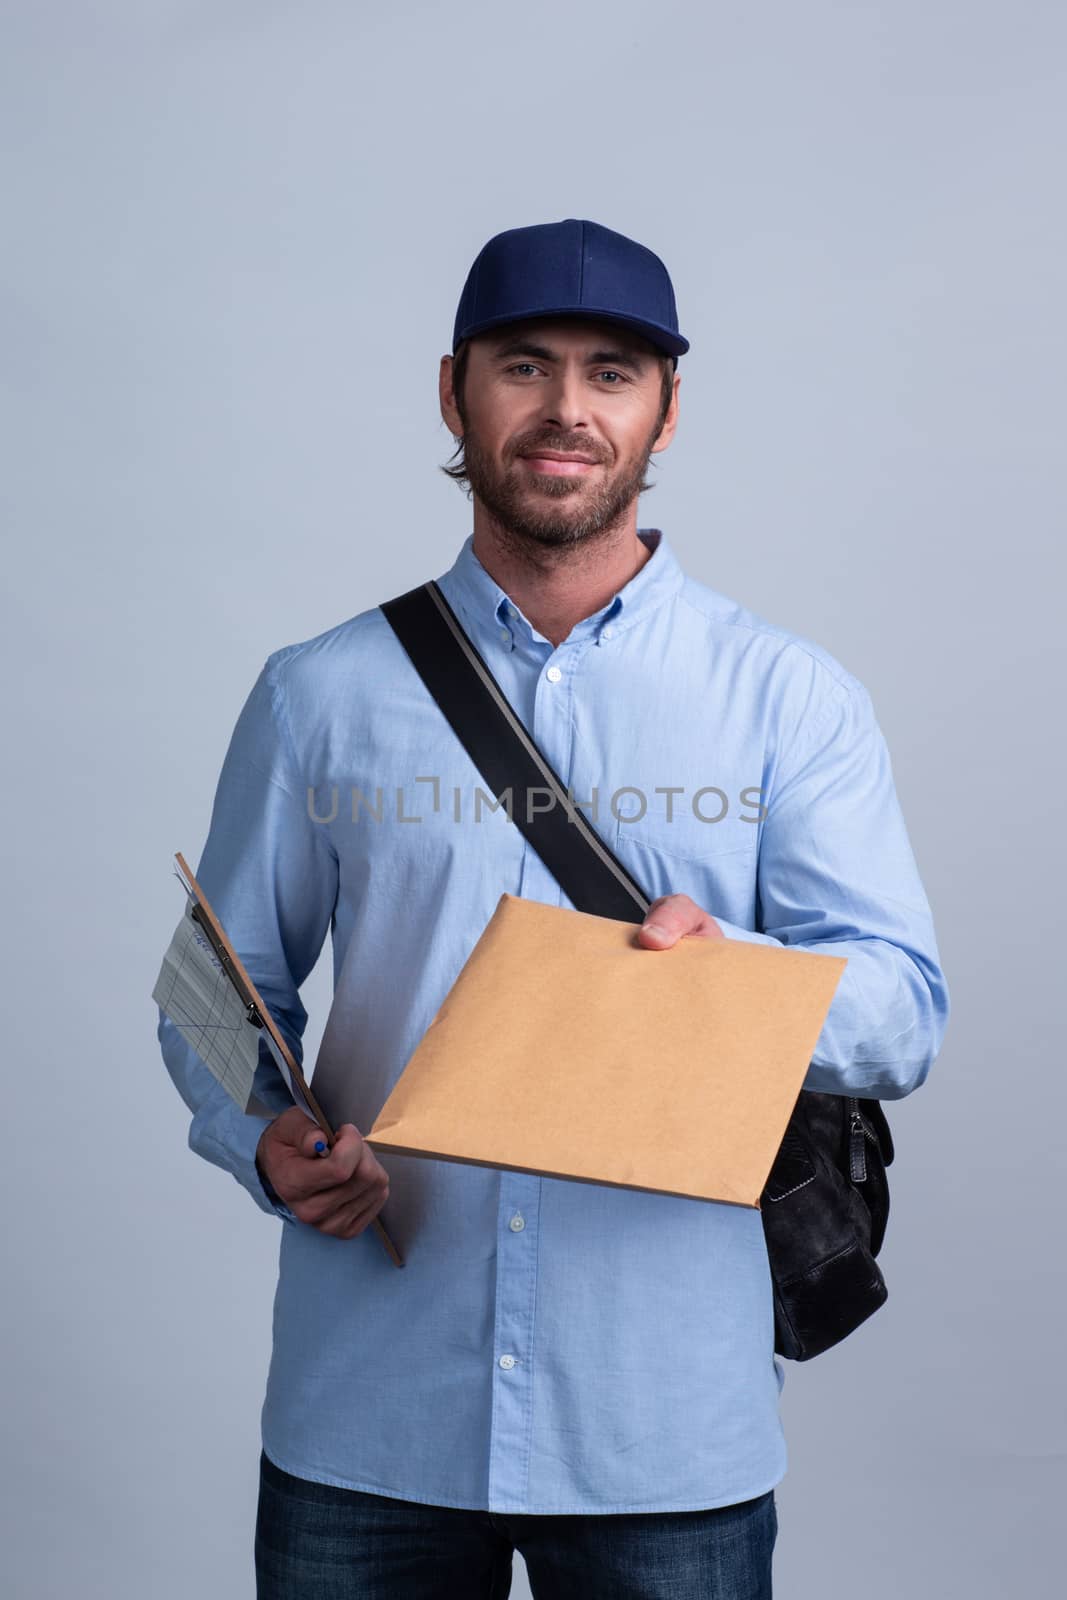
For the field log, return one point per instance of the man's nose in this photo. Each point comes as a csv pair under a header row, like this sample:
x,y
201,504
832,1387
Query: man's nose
x,y
565,401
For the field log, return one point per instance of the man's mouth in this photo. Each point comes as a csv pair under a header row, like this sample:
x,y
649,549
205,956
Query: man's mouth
x,y
556,464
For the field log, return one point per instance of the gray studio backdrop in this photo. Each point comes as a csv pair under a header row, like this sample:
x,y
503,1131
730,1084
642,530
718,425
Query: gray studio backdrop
x,y
235,234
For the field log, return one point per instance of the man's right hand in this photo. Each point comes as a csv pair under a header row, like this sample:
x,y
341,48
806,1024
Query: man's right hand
x,y
339,1193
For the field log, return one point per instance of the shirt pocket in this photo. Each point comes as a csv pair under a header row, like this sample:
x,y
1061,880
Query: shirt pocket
x,y
687,836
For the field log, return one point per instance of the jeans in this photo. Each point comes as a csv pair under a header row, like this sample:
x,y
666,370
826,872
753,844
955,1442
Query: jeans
x,y
316,1542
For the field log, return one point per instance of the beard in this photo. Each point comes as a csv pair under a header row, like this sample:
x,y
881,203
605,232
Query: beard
x,y
552,512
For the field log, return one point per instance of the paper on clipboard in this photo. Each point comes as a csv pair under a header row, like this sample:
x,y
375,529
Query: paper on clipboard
x,y
204,990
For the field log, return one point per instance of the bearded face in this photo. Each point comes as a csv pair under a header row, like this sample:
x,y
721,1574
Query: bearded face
x,y
559,420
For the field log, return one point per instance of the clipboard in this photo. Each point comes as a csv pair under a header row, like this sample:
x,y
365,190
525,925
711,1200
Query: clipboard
x,y
257,1015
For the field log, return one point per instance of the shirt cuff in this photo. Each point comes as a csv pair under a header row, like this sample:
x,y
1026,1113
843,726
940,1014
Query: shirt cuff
x,y
238,1155
733,930
277,1203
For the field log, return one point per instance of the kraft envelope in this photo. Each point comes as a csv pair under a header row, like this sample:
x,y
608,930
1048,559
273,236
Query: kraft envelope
x,y
564,1048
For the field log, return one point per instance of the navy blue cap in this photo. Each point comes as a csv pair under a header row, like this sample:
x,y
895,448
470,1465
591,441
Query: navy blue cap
x,y
570,268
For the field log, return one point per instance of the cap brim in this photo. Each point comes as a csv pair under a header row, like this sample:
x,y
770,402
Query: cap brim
x,y
664,339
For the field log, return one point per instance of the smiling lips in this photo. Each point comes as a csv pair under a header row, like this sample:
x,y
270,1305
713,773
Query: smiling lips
x,y
558,464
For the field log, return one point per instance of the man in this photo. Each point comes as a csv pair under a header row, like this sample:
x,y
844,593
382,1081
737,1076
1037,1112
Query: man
x,y
581,1372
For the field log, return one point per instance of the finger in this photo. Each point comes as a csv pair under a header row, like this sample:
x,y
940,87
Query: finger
x,y
311,1173
348,1221
321,1205
368,1182
314,1143
667,920
672,917
361,1218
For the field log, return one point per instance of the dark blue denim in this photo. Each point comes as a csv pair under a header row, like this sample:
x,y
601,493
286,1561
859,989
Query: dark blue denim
x,y
315,1542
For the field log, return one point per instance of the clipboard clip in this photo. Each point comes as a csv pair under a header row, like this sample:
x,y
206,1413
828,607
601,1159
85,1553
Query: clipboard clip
x,y
251,1009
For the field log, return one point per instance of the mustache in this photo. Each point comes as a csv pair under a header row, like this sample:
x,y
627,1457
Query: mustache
x,y
563,447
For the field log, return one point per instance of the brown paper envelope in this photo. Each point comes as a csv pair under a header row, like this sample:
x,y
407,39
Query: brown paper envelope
x,y
565,1048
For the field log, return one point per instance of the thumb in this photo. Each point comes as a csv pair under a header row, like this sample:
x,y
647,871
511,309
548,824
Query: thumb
x,y
314,1142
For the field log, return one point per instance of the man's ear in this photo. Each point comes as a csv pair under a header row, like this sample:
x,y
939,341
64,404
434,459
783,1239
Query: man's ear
x,y
449,410
670,421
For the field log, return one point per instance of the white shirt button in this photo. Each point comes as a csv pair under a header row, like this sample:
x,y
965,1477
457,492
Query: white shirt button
x,y
512,612
517,1224
505,635
605,633
553,674
507,1362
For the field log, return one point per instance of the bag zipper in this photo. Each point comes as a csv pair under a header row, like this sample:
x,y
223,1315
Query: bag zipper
x,y
857,1150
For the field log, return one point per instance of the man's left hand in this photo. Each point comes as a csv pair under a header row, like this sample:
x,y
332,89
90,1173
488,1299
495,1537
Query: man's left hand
x,y
673,917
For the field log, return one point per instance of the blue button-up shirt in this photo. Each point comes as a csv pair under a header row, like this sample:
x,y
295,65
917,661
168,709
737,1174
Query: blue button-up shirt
x,y
549,1346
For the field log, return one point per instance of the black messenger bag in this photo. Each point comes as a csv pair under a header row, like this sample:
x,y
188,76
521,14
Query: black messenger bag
x,y
826,1202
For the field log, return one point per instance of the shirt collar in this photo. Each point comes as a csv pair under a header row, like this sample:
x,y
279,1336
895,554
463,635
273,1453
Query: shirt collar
x,y
469,588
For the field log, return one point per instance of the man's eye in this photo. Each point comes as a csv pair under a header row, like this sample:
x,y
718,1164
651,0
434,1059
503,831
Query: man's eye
x,y
610,372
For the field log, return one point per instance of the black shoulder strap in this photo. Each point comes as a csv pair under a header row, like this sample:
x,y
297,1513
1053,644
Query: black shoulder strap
x,y
592,878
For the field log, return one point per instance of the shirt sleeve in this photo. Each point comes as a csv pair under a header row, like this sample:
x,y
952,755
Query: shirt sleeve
x,y
836,874
271,876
